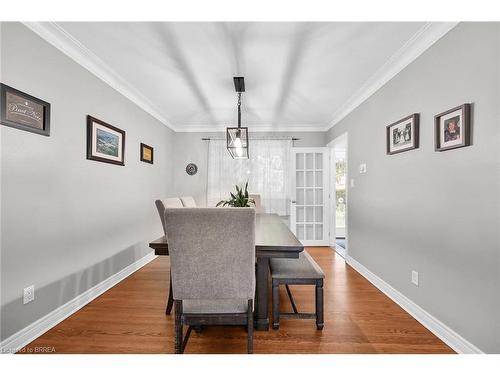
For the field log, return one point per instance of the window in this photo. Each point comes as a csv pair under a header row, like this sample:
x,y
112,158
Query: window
x,y
267,173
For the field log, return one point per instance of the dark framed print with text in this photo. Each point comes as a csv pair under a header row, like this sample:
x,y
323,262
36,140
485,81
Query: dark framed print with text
x,y
105,142
453,128
403,135
147,153
23,111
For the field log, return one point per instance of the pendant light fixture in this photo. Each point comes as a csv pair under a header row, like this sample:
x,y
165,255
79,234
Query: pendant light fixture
x,y
237,138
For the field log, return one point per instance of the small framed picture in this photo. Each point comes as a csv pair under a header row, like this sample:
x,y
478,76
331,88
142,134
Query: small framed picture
x,y
403,135
23,111
105,142
452,128
147,153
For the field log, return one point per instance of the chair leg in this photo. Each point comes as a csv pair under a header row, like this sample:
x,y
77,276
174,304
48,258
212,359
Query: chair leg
x,y
276,305
250,327
178,327
170,300
319,305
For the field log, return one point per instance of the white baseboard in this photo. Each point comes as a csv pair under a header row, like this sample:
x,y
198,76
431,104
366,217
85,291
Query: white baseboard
x,y
20,339
441,330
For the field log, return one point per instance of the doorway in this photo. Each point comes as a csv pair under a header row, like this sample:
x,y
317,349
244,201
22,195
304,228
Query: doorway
x,y
338,194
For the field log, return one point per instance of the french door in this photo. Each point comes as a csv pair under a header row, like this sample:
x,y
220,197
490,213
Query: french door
x,y
309,203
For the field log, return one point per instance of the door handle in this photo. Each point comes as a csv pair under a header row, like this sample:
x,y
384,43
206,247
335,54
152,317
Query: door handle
x,y
294,202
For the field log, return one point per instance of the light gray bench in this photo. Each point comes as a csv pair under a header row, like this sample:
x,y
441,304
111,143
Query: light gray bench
x,y
302,271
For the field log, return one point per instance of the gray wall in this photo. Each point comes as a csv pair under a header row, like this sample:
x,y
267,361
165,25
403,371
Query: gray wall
x,y
189,148
437,213
68,223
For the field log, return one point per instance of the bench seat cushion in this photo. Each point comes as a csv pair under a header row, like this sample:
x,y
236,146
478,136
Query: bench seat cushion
x,y
303,268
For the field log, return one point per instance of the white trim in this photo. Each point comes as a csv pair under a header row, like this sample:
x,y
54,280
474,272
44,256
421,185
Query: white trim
x,y
441,330
425,37
332,145
42,325
62,40
59,38
252,127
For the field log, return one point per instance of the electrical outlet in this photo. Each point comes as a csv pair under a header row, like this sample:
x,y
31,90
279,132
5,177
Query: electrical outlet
x,y
352,182
362,168
29,294
414,277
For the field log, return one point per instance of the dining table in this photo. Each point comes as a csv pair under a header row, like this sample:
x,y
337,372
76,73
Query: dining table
x,y
273,239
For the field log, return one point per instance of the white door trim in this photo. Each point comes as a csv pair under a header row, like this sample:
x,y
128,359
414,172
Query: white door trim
x,y
344,138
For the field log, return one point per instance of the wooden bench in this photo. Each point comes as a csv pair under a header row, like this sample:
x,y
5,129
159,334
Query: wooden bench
x,y
302,271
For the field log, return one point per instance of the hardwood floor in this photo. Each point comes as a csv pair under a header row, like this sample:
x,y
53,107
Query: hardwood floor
x,y
130,318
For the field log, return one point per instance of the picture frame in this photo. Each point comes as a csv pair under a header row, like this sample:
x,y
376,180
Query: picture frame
x,y
147,153
105,142
452,128
403,135
23,111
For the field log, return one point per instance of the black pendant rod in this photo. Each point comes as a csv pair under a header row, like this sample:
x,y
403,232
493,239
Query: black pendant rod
x,y
239,110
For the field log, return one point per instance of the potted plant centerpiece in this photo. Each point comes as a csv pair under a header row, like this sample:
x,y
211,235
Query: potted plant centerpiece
x,y
239,199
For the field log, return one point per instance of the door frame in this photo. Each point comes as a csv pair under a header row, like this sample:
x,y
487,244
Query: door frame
x,y
344,139
326,205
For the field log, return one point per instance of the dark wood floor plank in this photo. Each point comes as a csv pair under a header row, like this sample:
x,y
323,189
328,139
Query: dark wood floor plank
x,y
130,318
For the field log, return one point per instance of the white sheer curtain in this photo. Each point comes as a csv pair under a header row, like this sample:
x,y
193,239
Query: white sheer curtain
x,y
267,172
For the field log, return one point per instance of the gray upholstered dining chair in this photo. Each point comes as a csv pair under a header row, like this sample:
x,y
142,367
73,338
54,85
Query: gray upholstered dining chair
x,y
212,252
258,203
161,205
188,202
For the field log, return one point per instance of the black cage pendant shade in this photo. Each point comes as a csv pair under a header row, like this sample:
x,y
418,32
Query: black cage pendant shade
x,y
237,138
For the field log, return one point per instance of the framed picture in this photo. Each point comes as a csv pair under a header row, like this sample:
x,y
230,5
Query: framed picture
x,y
403,135
105,142
147,153
452,128
23,111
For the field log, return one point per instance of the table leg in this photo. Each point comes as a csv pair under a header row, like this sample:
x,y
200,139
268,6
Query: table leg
x,y
261,299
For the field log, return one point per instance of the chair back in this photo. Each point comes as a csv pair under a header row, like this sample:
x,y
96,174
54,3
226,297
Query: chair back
x,y
258,203
212,253
188,202
162,204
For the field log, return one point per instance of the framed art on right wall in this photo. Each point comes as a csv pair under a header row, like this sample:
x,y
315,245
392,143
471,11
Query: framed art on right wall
x,y
402,135
452,129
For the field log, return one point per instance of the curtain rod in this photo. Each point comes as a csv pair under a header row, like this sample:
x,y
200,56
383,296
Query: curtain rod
x,y
256,138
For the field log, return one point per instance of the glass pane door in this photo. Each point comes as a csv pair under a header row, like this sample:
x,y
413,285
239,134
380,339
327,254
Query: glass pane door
x,y
309,216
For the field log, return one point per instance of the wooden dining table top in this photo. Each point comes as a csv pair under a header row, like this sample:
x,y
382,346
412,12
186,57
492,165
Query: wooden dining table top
x,y
273,239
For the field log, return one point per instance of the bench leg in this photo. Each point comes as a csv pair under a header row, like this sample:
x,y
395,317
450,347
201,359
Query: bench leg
x,y
276,305
319,305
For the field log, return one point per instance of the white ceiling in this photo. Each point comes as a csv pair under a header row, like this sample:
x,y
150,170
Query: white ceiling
x,y
298,76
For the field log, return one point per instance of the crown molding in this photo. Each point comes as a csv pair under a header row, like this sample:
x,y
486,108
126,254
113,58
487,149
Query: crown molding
x,y
254,128
425,37
421,41
66,43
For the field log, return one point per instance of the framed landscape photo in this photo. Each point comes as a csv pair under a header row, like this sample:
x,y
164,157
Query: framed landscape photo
x,y
23,111
452,128
147,153
105,142
403,134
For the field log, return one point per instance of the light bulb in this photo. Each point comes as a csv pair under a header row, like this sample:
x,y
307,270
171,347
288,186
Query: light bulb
x,y
239,151
237,142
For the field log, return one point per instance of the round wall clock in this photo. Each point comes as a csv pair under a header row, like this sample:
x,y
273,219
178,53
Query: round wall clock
x,y
191,169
